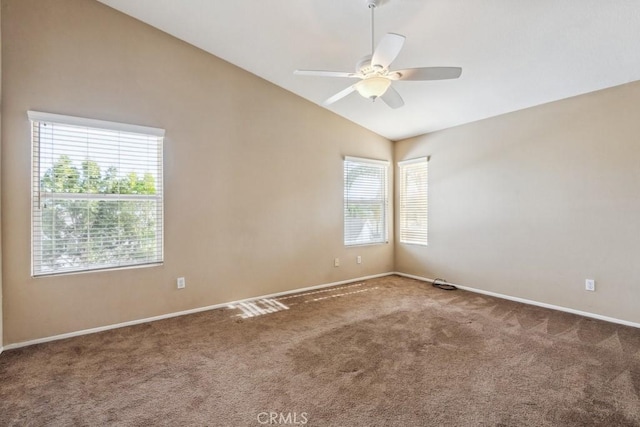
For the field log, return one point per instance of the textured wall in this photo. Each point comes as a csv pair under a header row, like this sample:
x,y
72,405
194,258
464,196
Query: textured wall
x,y
253,174
532,203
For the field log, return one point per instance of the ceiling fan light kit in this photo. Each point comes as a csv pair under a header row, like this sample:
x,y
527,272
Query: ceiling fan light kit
x,y
374,74
373,87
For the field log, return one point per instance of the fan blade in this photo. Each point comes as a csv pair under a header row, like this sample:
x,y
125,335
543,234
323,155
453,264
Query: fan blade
x,y
323,73
340,95
387,50
392,98
427,73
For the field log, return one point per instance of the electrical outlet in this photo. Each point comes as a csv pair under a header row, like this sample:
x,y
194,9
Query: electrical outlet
x,y
359,259
590,285
336,262
181,283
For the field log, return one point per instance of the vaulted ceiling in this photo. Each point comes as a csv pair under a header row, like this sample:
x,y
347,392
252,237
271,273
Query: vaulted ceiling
x,y
514,54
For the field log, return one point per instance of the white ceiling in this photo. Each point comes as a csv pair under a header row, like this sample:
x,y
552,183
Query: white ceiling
x,y
514,53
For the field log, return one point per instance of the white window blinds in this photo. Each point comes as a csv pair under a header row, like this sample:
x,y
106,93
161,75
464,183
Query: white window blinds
x,y
97,194
413,201
365,201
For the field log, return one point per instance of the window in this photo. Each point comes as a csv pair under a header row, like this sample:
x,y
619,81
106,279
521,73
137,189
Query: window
x,y
413,201
96,194
365,201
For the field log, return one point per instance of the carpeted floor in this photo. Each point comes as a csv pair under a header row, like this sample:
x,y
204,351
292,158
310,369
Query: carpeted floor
x,y
386,352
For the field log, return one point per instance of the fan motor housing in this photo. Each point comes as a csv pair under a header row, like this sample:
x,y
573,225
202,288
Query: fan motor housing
x,y
366,69
364,65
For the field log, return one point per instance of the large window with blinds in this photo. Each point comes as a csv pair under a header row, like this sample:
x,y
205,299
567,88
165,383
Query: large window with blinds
x,y
413,210
97,194
365,201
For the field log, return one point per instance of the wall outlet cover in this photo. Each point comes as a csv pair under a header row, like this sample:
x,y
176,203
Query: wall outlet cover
x,y
590,285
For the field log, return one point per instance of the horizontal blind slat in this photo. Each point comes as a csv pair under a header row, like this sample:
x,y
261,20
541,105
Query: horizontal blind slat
x,y
414,205
97,197
365,201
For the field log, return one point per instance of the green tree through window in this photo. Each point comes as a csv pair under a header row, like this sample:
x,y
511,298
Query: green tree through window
x,y
97,197
96,231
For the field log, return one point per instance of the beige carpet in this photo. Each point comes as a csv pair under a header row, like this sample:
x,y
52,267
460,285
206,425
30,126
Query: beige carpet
x,y
385,352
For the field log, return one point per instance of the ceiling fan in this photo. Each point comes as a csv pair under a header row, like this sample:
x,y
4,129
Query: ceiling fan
x,y
375,75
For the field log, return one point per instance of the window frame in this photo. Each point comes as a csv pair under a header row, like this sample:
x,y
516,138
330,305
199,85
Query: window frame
x,y
404,229
36,119
383,202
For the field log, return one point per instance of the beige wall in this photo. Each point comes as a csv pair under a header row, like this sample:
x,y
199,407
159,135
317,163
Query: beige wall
x,y
527,204
253,174
532,203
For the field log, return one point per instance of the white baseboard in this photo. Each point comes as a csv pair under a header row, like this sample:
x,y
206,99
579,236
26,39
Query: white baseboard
x,y
530,302
182,313
307,289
